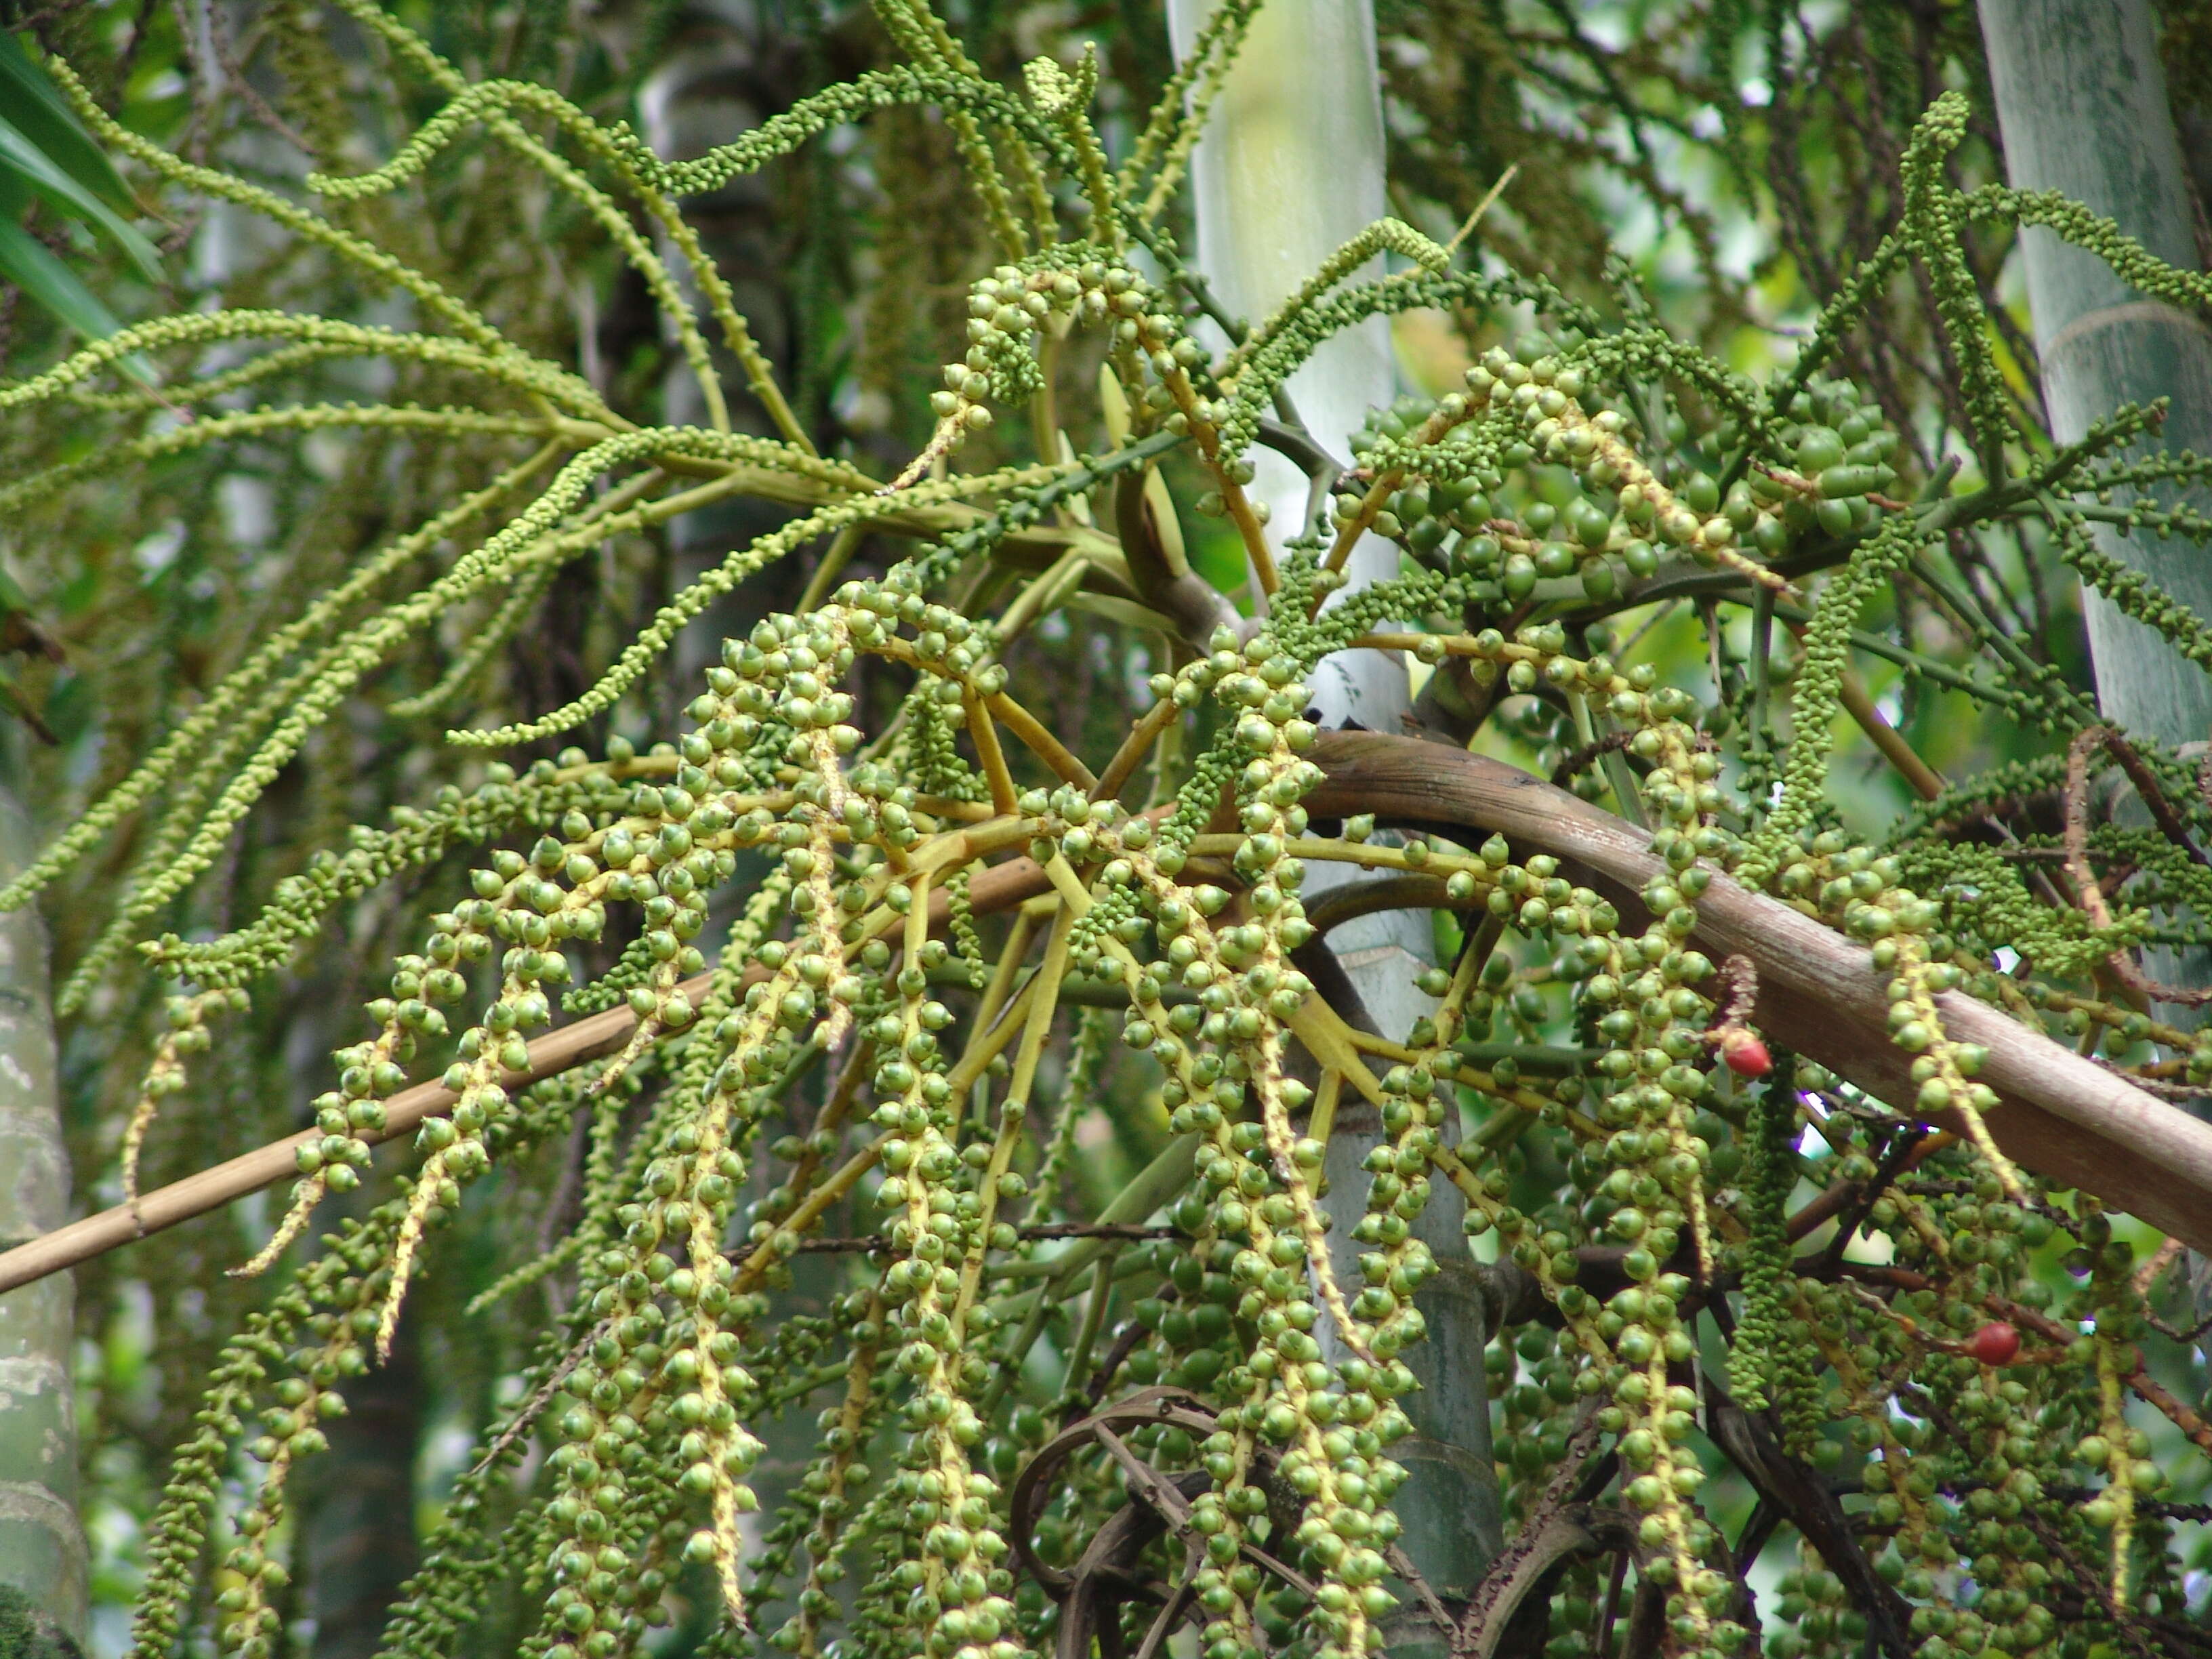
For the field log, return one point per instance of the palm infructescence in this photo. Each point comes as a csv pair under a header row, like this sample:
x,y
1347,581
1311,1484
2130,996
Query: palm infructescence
x,y
861,930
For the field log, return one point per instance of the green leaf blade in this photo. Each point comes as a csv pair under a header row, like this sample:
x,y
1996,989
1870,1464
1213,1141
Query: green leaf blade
x,y
40,114
31,164
26,262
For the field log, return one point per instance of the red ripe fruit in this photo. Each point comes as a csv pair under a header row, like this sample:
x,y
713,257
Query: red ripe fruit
x,y
1742,1052
1995,1344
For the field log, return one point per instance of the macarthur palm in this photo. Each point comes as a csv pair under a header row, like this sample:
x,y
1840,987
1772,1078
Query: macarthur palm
x,y
748,1065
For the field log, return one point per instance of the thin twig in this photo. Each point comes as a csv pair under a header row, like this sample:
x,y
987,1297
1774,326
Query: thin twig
x,y
537,1401
867,1242
2088,893
2164,1088
2155,1393
1581,758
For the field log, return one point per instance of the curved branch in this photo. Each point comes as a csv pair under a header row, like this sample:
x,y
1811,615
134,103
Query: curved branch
x,y
558,1051
1817,990
1821,994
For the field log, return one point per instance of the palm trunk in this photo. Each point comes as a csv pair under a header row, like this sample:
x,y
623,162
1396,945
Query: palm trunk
x,y
42,1547
1291,168
2081,100
357,1514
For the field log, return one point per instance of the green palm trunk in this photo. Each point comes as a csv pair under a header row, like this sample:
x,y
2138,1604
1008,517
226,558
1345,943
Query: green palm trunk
x,y
2081,100
1290,168
42,1547
358,1521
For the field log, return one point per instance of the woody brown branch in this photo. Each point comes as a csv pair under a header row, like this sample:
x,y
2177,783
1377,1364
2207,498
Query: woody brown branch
x,y
1818,994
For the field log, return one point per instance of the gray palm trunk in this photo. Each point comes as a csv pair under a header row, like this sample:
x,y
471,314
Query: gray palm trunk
x,y
42,1547
2081,100
357,1538
1288,169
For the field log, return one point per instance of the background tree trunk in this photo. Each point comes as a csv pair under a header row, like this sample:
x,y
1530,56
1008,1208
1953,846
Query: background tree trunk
x,y
357,1533
42,1547
1290,168
2081,100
